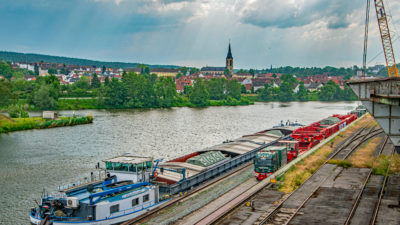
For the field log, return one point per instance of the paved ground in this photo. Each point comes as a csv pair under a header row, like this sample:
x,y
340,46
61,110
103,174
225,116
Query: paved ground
x,y
387,214
333,201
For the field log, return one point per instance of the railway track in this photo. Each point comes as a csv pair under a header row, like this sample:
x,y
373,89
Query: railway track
x,y
280,215
285,216
359,196
346,150
378,204
171,203
218,218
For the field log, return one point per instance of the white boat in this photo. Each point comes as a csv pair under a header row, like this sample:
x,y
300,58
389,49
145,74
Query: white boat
x,y
123,195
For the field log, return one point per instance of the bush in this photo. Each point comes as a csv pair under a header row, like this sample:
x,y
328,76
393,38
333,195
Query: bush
x,y
17,111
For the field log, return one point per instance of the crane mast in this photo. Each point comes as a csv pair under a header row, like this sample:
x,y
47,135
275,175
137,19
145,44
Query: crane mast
x,y
386,40
364,71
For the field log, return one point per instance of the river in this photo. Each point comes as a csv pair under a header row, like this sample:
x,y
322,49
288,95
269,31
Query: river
x,y
37,159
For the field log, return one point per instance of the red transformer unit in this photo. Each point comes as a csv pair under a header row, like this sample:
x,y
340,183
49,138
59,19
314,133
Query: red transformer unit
x,y
293,148
311,135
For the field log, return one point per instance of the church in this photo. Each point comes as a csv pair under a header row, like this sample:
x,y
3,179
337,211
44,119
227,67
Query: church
x,y
219,71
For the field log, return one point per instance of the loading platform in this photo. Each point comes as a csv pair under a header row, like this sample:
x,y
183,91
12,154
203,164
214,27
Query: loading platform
x,y
381,97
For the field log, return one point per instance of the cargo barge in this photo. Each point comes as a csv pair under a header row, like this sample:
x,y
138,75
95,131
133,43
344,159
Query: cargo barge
x,y
135,185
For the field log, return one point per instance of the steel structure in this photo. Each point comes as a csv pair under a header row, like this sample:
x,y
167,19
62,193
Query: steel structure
x,y
364,72
386,39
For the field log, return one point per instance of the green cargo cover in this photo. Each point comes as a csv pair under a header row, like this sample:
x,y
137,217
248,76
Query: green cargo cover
x,y
207,159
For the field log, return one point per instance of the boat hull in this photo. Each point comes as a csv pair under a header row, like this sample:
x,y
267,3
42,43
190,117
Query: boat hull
x,y
112,220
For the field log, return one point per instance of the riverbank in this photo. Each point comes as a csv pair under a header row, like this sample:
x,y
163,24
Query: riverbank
x,y
19,124
77,103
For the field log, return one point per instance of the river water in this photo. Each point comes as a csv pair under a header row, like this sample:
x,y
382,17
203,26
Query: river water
x,y
37,159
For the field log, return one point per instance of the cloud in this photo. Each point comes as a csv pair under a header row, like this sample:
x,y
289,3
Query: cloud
x,y
297,13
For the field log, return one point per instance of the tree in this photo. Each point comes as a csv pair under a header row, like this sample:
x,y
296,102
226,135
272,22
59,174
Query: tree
x,y
193,70
82,83
328,92
43,98
252,72
285,92
227,72
106,81
95,81
116,93
243,89
165,90
5,92
348,94
233,89
199,95
6,70
266,93
36,69
216,88
147,70
184,70
178,75
103,70
52,71
302,93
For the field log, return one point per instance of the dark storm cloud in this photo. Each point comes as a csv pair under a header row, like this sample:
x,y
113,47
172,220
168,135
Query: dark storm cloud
x,y
295,13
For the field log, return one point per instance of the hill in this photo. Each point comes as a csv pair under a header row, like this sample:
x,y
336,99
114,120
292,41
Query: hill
x,y
32,57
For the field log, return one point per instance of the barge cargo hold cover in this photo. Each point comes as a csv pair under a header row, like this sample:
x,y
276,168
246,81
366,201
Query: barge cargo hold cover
x,y
182,174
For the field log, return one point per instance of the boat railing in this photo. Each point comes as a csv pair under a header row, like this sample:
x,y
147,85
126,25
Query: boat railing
x,y
85,180
133,209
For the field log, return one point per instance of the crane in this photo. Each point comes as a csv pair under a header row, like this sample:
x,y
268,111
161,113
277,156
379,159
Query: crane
x,y
385,37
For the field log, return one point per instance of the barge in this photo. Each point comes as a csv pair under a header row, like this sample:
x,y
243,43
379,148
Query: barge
x,y
135,185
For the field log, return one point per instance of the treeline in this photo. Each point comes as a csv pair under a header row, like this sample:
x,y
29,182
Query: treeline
x,y
306,71
32,58
132,91
285,92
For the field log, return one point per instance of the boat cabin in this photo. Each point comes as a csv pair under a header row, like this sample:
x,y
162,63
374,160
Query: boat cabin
x,y
134,168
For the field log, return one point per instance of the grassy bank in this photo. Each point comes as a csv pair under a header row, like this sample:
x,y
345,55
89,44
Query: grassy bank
x,y
76,104
18,124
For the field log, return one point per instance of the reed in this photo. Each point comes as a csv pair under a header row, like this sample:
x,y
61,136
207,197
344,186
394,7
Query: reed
x,y
10,125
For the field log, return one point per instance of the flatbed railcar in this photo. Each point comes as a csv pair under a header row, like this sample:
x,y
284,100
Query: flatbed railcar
x,y
311,135
302,139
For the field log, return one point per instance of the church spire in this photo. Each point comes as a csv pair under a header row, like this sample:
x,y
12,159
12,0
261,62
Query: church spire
x,y
229,56
229,59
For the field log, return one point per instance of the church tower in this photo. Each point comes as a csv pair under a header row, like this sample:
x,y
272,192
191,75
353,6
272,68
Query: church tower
x,y
229,59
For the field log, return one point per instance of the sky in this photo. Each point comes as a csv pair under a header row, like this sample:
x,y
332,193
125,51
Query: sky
x,y
262,33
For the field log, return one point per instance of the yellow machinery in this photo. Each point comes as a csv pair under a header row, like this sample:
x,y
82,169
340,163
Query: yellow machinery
x,y
386,40
385,36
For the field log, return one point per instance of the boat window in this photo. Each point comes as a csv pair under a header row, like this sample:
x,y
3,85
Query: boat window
x,y
135,202
132,168
109,165
145,198
114,209
148,164
140,167
117,166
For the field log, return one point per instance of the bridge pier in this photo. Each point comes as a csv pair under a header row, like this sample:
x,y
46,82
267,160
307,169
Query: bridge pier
x,y
381,97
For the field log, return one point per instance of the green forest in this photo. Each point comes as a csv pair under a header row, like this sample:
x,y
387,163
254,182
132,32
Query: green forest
x,y
33,58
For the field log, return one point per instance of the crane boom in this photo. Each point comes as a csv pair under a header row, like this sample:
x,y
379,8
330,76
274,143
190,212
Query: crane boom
x,y
386,40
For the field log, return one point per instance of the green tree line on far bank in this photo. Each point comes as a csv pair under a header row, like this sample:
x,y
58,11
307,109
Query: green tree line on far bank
x,y
285,92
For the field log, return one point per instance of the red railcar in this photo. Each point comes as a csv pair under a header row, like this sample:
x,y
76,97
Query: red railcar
x,y
293,148
311,135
